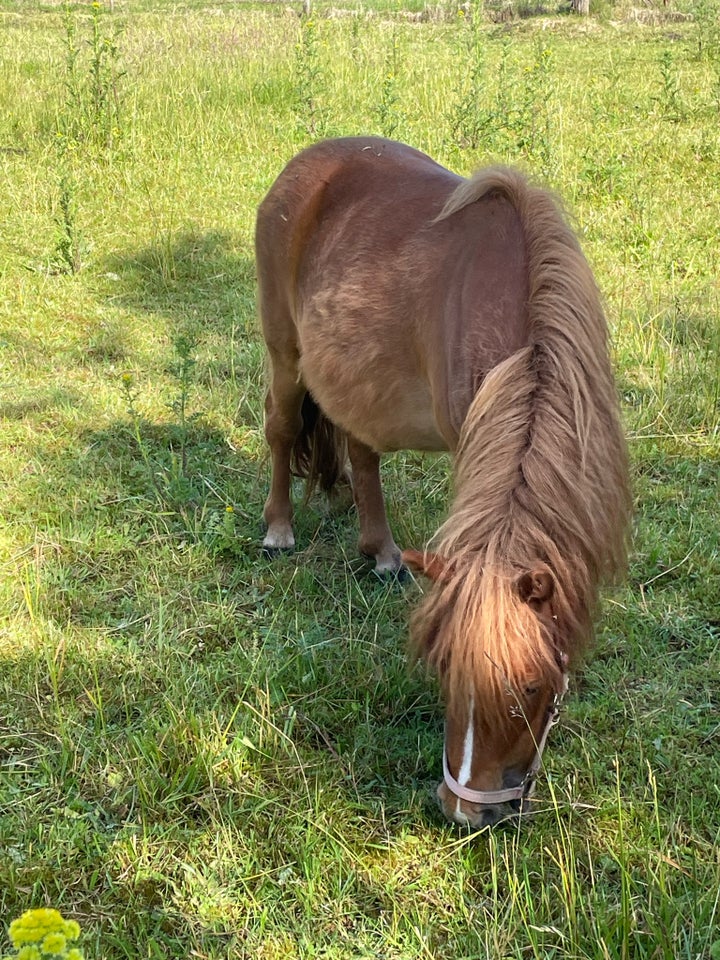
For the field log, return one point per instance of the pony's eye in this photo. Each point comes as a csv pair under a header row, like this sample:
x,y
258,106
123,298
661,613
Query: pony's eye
x,y
531,691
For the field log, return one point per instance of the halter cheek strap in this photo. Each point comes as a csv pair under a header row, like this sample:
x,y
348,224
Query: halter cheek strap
x,y
510,793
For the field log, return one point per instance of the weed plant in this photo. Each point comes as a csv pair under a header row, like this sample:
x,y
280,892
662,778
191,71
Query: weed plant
x,y
670,96
706,16
311,113
533,124
470,121
488,118
88,120
68,245
205,752
92,103
388,117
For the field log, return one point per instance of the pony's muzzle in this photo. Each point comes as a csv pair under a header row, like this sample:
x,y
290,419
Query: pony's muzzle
x,y
478,815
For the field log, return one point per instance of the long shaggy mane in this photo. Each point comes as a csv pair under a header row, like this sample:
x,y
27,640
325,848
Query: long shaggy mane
x,y
540,478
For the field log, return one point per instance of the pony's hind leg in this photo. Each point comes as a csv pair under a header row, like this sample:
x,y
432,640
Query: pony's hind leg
x,y
376,540
341,497
283,422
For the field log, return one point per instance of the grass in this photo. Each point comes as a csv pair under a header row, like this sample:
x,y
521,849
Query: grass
x,y
205,753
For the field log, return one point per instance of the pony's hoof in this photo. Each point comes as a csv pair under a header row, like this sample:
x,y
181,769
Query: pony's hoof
x,y
279,540
273,552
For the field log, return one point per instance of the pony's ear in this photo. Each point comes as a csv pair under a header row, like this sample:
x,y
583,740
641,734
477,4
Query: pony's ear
x,y
536,585
430,565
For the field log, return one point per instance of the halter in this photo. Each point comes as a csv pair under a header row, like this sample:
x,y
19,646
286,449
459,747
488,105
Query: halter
x,y
522,790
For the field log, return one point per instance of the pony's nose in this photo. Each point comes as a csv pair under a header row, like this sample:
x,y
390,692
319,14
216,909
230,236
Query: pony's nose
x,y
489,816
496,813
475,815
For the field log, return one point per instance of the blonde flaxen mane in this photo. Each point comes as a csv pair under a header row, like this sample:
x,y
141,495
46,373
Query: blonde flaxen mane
x,y
540,477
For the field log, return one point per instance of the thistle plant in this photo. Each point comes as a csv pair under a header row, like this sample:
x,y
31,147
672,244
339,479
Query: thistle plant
x,y
533,119
470,120
706,15
168,471
40,934
221,535
670,97
387,112
91,111
89,119
127,386
69,243
311,115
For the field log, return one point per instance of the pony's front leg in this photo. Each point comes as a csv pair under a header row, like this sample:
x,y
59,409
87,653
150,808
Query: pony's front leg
x,y
375,537
283,422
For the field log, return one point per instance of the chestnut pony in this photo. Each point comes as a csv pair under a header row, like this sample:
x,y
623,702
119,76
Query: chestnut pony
x,y
406,307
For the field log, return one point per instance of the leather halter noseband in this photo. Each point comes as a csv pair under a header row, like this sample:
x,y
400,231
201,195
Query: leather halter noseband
x,y
522,790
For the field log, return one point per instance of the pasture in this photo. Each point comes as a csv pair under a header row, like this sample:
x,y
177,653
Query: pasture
x,y
207,753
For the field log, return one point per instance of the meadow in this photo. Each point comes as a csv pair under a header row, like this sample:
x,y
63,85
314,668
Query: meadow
x,y
207,753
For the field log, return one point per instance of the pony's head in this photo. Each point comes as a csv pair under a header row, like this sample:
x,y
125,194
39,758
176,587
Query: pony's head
x,y
496,641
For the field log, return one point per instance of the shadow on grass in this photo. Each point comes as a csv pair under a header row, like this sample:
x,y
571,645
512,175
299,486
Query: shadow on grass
x,y
138,491
38,401
168,681
188,276
152,560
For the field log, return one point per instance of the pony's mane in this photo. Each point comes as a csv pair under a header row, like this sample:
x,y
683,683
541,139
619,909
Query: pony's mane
x,y
540,477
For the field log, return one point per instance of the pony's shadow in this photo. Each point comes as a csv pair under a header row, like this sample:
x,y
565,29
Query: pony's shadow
x,y
200,279
187,275
137,482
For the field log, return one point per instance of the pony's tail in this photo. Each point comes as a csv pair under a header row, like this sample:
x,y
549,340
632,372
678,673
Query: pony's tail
x,y
320,451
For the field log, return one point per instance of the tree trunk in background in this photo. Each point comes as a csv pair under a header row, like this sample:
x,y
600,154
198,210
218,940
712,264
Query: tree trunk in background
x,y
581,6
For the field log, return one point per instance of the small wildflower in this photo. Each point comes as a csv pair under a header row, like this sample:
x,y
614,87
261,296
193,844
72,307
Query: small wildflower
x,y
230,509
44,933
34,925
54,943
72,929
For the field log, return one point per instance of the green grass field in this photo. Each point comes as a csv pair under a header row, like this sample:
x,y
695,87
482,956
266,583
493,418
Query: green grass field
x,y
208,754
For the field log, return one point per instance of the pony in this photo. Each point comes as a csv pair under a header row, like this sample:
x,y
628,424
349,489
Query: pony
x,y
404,306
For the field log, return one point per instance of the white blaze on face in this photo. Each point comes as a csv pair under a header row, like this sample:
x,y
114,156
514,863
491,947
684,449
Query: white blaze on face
x,y
463,777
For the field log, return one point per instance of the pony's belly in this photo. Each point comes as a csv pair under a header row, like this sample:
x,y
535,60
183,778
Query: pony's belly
x,y
408,436
384,419
363,370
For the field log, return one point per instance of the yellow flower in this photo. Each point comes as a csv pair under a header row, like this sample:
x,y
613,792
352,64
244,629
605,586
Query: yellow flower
x,y
54,943
33,925
229,509
71,929
43,933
